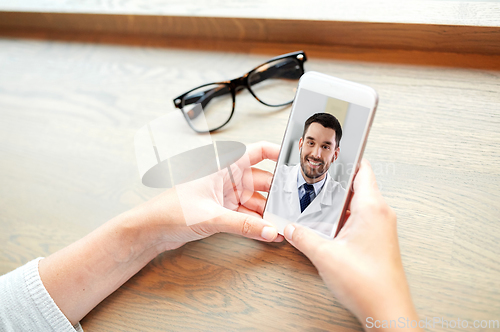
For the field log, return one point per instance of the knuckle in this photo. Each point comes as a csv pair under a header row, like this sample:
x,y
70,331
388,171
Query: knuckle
x,y
377,206
323,252
247,226
386,212
392,215
383,209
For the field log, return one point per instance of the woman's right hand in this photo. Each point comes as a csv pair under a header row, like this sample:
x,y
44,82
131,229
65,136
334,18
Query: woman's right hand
x,y
362,265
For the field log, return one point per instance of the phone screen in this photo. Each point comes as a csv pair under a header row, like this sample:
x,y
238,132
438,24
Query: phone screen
x,y
317,162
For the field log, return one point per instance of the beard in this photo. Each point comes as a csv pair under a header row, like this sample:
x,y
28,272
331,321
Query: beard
x,y
313,173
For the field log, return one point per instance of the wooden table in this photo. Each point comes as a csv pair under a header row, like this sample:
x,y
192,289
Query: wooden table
x,y
68,115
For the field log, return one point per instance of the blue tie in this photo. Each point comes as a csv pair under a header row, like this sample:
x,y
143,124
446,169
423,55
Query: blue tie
x,y
306,199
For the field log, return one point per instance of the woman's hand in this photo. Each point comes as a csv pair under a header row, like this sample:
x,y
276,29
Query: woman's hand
x,y
81,275
227,201
362,265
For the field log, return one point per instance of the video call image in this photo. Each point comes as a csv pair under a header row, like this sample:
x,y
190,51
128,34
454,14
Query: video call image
x,y
317,159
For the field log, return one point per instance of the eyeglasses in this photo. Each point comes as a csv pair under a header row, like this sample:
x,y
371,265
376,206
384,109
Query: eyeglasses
x,y
210,106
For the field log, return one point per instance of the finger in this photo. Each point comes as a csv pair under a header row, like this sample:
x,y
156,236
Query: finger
x,y
279,238
253,201
243,209
365,182
241,196
256,179
366,192
247,225
304,240
262,150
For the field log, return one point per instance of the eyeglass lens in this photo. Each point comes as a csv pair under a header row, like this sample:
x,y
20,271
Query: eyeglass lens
x,y
208,107
275,83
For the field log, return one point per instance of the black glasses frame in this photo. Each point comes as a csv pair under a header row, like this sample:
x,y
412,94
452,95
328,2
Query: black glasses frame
x,y
235,85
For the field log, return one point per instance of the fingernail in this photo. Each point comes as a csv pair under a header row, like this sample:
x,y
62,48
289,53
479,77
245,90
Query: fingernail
x,y
289,231
269,233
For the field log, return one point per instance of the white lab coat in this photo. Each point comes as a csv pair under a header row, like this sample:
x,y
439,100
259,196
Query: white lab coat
x,y
322,213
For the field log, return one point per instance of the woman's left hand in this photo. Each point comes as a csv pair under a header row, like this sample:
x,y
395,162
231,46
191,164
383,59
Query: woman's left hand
x,y
222,202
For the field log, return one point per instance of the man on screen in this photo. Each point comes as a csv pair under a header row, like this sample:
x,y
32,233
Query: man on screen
x,y
306,193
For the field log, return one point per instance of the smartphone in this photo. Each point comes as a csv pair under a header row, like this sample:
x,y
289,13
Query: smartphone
x,y
320,154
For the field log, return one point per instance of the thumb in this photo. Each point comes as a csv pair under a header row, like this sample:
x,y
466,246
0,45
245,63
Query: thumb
x,y
304,239
245,225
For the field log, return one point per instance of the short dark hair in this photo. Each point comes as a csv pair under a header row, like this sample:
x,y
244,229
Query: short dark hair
x,y
328,121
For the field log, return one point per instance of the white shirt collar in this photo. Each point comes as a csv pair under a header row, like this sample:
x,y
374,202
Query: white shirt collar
x,y
317,186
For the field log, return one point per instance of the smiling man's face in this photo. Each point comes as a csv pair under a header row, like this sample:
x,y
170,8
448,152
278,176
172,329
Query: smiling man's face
x,y
317,152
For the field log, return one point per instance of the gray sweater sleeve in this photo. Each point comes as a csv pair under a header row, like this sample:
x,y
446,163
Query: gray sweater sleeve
x,y
25,304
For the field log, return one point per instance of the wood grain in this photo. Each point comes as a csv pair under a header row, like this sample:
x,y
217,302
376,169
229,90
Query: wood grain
x,y
244,284
462,12
345,53
406,36
68,115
